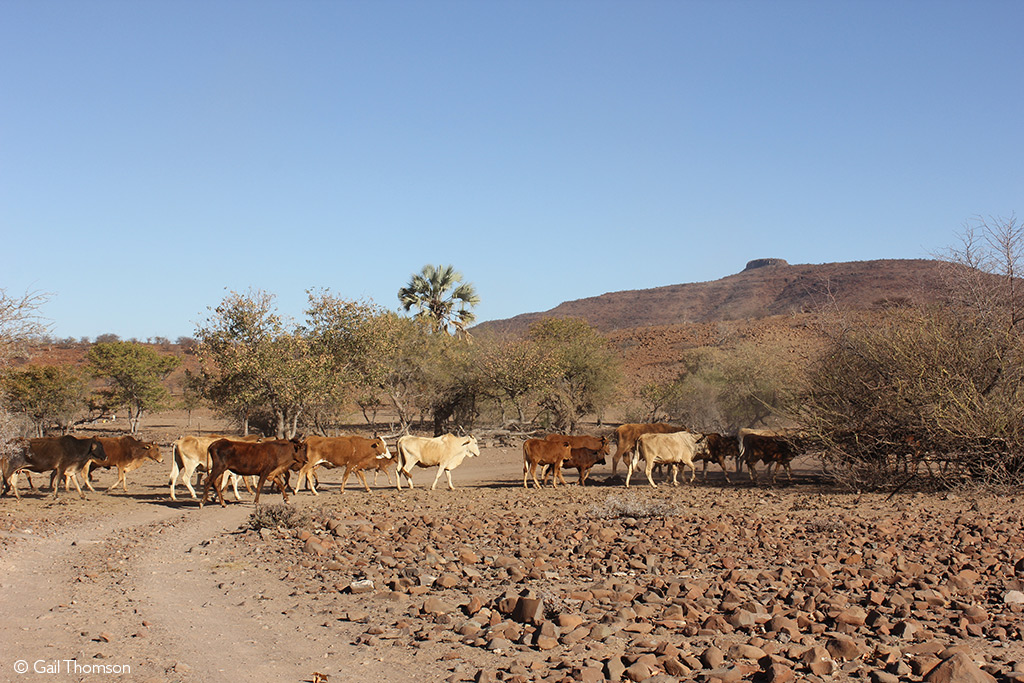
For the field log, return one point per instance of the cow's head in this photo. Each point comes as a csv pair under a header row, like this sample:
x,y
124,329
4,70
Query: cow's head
x,y
96,451
152,451
469,443
380,447
298,454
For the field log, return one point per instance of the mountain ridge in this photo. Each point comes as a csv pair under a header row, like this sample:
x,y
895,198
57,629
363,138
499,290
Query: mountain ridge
x,y
766,287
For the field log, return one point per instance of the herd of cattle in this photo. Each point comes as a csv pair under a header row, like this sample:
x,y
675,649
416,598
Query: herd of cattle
x,y
255,460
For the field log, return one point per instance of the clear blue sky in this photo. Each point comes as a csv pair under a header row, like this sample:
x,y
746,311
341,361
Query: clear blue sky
x,y
155,155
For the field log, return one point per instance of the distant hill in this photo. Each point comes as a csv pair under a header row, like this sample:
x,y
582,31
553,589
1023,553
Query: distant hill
x,y
766,287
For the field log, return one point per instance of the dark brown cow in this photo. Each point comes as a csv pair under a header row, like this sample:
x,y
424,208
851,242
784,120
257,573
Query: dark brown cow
x,y
266,459
543,452
583,459
63,455
720,449
126,453
354,453
771,450
627,434
595,443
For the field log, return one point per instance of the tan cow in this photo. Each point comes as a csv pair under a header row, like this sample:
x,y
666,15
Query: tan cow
x,y
444,452
627,434
354,453
673,449
538,452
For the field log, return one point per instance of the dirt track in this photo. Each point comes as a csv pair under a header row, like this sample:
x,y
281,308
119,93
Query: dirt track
x,y
182,594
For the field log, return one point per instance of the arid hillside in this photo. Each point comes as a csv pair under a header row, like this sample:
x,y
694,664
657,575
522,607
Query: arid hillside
x,y
766,287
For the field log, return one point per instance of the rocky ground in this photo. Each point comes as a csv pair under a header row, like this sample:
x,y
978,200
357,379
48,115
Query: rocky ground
x,y
710,581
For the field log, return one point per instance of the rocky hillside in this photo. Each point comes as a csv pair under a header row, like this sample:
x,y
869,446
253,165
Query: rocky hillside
x,y
766,287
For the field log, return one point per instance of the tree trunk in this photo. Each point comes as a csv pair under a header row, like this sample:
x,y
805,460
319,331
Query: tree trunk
x,y
281,423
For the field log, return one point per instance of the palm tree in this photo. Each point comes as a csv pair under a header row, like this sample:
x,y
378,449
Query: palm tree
x,y
441,297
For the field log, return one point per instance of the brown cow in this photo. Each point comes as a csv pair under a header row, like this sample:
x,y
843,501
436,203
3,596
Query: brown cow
x,y
627,434
583,459
266,459
190,453
595,443
543,452
720,449
63,455
354,453
771,450
126,453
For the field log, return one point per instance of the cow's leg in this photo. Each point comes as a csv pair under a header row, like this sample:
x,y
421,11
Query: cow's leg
x,y
437,478
693,470
752,469
533,474
344,477
561,477
120,478
13,483
675,474
448,473
630,466
88,475
362,476
649,471
189,470
210,480
174,476
282,485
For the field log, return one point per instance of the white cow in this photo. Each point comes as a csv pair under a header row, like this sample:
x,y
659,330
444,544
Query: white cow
x,y
444,452
189,452
673,449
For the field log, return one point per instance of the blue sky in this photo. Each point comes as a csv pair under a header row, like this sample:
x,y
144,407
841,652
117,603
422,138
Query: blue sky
x,y
156,155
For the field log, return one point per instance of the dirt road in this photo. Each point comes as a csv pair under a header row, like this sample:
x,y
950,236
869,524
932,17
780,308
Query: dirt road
x,y
707,581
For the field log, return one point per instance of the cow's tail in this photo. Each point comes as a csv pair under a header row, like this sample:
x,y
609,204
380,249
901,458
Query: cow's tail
x,y
401,456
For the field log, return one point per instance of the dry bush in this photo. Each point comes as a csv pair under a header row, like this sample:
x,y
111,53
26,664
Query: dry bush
x,y
279,516
631,505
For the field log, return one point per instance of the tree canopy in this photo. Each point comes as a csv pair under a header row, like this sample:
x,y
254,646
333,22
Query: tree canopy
x,y
441,298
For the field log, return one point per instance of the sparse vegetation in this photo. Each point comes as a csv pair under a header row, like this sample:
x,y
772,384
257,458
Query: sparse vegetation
x,y
279,516
632,505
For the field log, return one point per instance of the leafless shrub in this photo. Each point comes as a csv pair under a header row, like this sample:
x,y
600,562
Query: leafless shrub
x,y
279,516
632,505
930,396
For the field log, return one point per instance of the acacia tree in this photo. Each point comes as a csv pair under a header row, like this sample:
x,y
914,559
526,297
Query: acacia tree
x,y
354,341
19,320
253,361
46,394
135,375
440,297
584,367
512,371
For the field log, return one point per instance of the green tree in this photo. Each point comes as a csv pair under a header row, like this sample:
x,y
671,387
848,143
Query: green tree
x,y
254,362
46,394
441,297
135,375
354,342
584,366
19,321
512,371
